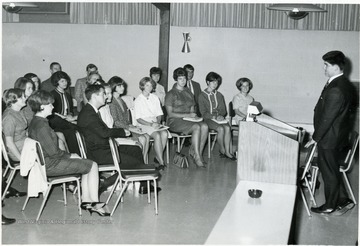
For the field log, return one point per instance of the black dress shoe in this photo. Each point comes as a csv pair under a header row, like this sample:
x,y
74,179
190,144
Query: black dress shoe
x,y
7,221
143,189
344,206
11,192
322,210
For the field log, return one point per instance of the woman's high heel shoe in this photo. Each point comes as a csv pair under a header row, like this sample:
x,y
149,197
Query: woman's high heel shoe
x,y
90,205
99,212
160,166
85,205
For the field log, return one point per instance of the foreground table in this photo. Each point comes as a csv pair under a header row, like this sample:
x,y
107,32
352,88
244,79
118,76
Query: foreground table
x,y
264,220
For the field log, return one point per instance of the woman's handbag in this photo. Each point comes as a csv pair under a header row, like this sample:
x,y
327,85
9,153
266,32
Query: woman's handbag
x,y
180,160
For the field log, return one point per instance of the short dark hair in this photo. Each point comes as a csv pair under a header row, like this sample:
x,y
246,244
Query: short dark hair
x,y
11,96
21,83
116,81
53,64
189,66
155,70
90,66
179,72
57,76
39,98
335,57
143,81
212,76
92,89
241,81
30,75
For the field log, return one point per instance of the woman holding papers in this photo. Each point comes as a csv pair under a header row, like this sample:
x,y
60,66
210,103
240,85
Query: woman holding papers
x,y
121,114
181,116
242,100
213,109
148,114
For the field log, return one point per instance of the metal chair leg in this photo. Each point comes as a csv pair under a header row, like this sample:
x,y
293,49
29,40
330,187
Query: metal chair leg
x,y
113,190
305,202
10,179
155,193
119,198
64,194
44,201
349,187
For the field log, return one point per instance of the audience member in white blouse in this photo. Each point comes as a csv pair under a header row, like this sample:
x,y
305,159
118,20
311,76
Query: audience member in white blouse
x,y
242,100
148,114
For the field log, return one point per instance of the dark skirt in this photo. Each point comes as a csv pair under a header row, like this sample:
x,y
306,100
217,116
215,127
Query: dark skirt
x,y
213,125
179,125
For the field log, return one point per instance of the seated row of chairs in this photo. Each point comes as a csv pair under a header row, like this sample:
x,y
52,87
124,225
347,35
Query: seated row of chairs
x,y
307,178
125,176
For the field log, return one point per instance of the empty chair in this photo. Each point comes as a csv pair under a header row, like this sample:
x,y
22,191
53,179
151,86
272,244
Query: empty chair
x,y
306,177
51,181
132,176
346,165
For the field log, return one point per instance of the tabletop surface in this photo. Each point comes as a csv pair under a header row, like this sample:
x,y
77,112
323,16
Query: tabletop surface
x,y
264,220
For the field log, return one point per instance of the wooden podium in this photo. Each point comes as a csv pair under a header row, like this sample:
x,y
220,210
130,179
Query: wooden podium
x,y
268,152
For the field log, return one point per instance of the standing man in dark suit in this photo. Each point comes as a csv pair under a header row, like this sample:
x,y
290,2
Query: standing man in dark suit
x,y
331,123
193,86
97,134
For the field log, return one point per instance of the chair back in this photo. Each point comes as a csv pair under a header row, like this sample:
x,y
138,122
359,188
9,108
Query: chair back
x,y
308,159
40,154
81,143
115,154
5,154
354,140
231,109
4,151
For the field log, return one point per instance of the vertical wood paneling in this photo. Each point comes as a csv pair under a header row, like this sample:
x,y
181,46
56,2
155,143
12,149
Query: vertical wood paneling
x,y
265,155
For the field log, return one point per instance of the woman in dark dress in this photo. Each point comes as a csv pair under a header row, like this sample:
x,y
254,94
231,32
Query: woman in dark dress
x,y
180,103
62,118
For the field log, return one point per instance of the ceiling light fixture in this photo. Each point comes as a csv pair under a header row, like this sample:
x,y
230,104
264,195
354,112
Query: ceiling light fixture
x,y
15,7
296,11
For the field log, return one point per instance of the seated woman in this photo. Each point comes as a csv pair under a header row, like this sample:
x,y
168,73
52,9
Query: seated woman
x,y
14,124
63,104
58,162
62,118
14,128
180,103
28,86
242,100
121,114
34,78
213,108
148,114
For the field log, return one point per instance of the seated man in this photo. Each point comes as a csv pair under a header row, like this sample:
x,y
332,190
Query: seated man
x,y
97,134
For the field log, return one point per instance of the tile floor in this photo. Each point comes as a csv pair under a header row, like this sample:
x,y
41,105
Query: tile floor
x,y
190,203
